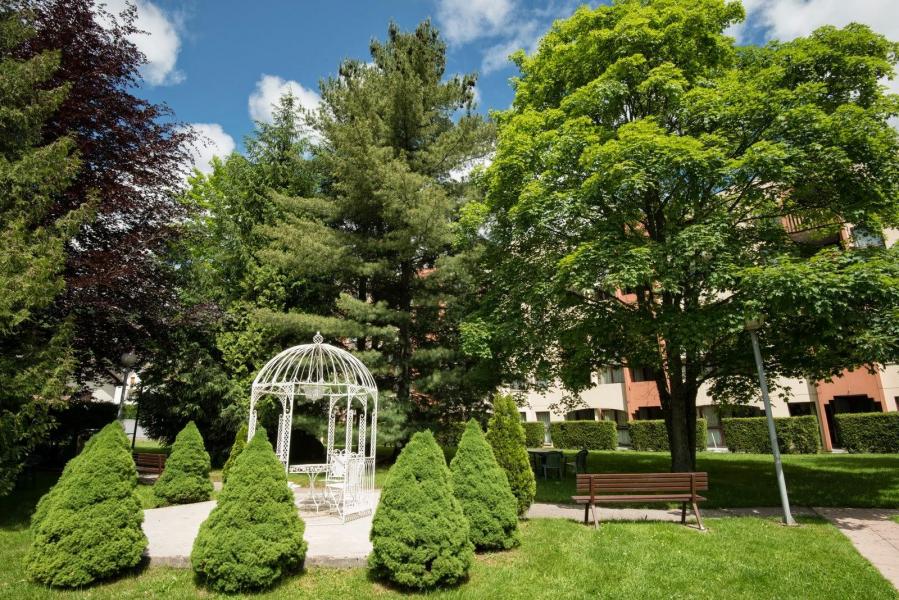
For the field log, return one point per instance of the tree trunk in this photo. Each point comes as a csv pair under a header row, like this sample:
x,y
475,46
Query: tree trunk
x,y
680,420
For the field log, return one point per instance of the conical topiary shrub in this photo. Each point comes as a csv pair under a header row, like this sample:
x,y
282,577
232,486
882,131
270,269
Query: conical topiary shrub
x,y
419,533
239,442
481,486
90,526
254,535
186,475
506,436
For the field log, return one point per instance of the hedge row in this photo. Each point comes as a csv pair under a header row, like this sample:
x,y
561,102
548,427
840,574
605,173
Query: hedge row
x,y
534,433
653,436
795,435
593,435
869,432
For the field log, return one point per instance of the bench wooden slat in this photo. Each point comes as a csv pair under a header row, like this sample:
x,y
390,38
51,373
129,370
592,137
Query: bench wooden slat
x,y
638,498
149,462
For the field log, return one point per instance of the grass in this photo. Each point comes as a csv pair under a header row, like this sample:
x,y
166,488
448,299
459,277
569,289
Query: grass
x,y
895,518
737,480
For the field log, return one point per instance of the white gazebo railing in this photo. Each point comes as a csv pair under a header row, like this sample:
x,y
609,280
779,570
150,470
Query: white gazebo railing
x,y
318,372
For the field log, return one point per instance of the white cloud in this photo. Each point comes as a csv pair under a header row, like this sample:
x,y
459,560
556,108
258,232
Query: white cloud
x,y
462,21
268,92
211,141
789,19
160,43
525,35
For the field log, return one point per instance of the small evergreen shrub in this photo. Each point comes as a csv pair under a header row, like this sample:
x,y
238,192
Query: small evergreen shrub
x,y
482,489
254,535
869,432
419,533
186,475
795,435
506,436
593,435
240,440
534,433
89,525
652,436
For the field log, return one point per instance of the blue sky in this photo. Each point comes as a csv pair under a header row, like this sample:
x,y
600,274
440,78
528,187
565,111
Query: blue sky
x,y
221,64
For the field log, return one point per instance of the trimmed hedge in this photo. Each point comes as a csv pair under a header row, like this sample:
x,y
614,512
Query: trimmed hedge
x,y
481,487
186,475
652,436
593,435
506,435
254,535
88,527
533,433
240,440
869,432
419,533
795,435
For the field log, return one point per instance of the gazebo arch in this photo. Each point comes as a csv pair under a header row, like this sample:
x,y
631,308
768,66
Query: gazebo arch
x,y
318,372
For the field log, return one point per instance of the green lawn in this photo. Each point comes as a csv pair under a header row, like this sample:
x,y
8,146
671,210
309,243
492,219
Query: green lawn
x,y
854,480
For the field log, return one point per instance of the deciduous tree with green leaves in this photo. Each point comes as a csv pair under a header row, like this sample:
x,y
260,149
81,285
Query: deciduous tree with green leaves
x,y
654,185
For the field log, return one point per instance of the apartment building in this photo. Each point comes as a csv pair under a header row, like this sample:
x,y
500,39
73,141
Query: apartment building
x,y
623,394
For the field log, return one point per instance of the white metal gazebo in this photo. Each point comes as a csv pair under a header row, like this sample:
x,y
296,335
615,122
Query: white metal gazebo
x,y
318,372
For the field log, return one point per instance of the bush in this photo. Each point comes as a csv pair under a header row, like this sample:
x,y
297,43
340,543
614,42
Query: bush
x,y
869,432
480,485
306,448
795,435
652,435
593,435
74,420
534,433
240,440
419,533
254,535
89,524
186,475
506,436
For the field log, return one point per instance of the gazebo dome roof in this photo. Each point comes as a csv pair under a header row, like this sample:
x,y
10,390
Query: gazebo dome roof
x,y
327,369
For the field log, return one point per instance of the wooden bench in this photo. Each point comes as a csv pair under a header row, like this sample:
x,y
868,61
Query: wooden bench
x,y
149,463
604,488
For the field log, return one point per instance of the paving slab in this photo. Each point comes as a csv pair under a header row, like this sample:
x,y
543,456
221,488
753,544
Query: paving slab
x,y
576,513
171,531
873,533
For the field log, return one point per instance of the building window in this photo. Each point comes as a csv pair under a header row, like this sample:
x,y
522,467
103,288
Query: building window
x,y
642,374
646,413
524,415
583,414
799,409
610,375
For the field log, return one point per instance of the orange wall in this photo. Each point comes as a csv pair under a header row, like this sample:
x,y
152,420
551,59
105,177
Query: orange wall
x,y
852,383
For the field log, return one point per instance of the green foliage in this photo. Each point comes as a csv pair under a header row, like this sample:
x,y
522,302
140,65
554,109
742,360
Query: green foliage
x,y
534,433
644,153
795,435
506,436
593,435
481,487
240,440
88,527
254,535
869,432
652,435
419,534
186,475
36,361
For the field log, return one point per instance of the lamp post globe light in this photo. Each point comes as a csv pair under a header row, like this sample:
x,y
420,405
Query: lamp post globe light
x,y
127,360
752,325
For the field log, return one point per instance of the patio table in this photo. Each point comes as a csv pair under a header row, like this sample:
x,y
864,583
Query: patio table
x,y
312,471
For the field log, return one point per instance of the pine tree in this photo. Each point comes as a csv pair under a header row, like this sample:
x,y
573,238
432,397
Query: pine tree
x,y
254,535
36,359
239,442
419,533
91,526
186,475
393,132
506,436
483,490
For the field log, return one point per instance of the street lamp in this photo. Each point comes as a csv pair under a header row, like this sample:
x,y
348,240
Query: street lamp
x,y
128,360
752,326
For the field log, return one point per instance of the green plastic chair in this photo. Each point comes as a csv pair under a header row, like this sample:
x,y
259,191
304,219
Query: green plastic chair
x,y
580,462
552,461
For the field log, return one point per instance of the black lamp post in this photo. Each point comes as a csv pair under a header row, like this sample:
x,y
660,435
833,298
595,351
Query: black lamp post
x,y
127,360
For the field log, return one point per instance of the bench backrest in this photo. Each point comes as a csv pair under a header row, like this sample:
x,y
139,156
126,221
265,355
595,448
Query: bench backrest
x,y
642,483
149,460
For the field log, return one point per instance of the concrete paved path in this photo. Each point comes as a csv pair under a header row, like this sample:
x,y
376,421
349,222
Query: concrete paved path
x,y
576,513
872,533
171,532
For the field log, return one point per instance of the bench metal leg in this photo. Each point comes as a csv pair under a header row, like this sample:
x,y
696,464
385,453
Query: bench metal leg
x,y
698,518
683,513
595,517
586,512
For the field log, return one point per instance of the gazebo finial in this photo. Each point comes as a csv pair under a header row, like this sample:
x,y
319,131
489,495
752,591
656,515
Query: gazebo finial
x,y
317,338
